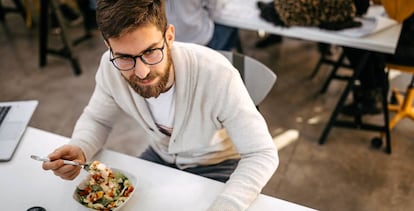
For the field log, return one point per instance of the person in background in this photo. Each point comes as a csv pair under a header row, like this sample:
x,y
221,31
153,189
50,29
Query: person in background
x,y
334,15
194,23
403,12
372,77
188,99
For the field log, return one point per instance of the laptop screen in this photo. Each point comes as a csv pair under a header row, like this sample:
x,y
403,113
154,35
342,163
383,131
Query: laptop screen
x,y
15,116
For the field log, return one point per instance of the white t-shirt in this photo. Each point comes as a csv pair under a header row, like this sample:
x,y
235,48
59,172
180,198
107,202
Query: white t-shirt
x,y
163,110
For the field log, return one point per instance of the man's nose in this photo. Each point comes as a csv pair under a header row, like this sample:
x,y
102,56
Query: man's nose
x,y
141,69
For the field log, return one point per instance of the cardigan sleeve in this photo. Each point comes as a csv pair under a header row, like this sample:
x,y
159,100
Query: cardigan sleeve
x,y
250,135
95,123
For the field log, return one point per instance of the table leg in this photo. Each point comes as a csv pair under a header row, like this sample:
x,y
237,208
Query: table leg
x,y
386,114
66,51
20,8
2,13
43,32
357,123
343,97
334,72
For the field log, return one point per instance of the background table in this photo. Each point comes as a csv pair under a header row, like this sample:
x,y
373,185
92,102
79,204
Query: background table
x,y
25,184
245,14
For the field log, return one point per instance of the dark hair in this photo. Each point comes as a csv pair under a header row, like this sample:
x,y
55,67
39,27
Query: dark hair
x,y
116,17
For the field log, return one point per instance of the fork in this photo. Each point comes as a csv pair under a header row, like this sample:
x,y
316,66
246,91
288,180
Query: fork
x,y
66,162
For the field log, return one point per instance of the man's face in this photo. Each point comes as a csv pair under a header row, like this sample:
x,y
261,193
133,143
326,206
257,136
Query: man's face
x,y
147,80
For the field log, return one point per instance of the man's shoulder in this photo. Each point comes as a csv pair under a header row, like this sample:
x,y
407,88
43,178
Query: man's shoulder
x,y
206,64
191,47
198,53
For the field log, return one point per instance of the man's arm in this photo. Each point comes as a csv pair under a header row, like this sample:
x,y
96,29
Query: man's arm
x,y
95,123
249,133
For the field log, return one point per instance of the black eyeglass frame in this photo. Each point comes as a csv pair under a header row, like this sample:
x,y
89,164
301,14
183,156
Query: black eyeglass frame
x,y
140,56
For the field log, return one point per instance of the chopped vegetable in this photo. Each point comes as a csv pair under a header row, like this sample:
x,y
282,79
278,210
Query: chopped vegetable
x,y
104,189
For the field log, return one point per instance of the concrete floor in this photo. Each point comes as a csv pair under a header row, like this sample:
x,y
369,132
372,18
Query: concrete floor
x,y
344,174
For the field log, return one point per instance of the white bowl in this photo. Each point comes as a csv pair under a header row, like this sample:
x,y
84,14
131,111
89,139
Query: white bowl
x,y
130,177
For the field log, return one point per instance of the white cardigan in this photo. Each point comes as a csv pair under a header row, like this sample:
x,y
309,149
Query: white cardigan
x,y
211,102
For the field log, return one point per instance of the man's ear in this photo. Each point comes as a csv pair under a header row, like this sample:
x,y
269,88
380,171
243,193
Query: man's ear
x,y
170,34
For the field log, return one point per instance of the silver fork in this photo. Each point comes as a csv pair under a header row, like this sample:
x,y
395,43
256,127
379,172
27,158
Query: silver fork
x,y
66,162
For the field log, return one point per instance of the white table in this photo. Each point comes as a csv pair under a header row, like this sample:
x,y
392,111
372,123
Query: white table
x,y
245,14
25,184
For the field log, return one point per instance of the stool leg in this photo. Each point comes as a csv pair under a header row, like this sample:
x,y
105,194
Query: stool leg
x,y
386,128
404,105
409,102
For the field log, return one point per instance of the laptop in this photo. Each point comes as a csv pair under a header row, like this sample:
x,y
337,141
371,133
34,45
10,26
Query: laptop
x,y
14,119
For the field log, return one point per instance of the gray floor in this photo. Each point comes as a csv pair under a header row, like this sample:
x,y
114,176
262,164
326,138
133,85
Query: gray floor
x,y
344,174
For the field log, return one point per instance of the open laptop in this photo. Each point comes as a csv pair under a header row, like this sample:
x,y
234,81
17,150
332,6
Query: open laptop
x,y
14,119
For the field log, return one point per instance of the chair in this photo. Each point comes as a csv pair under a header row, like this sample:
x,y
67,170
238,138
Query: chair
x,y
257,77
404,107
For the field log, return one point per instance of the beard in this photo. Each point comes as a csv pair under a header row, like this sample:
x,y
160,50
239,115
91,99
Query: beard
x,y
152,90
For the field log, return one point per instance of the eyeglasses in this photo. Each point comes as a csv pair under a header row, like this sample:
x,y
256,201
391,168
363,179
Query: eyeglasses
x,y
151,56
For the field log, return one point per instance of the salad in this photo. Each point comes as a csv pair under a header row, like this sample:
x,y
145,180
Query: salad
x,y
103,189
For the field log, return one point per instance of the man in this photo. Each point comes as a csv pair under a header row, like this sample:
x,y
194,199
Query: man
x,y
403,12
189,100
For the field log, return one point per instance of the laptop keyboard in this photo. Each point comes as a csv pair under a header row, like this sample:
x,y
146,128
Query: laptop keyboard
x,y
3,112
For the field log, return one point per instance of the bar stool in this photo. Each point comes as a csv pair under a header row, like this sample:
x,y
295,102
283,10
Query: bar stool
x,y
404,107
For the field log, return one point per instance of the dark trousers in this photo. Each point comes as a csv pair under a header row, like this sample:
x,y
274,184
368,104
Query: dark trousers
x,y
224,38
373,74
404,54
220,172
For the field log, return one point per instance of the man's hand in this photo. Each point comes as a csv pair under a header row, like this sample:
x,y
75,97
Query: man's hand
x,y
66,152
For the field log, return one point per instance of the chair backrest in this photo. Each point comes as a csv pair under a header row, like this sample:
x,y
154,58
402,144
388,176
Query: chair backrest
x,y
257,77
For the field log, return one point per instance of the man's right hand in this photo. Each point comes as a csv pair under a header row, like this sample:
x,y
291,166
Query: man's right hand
x,y
65,152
